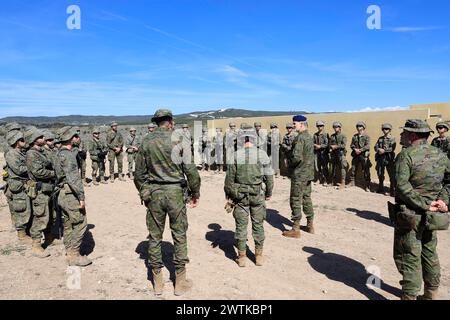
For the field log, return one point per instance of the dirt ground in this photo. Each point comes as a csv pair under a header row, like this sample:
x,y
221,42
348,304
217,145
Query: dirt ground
x,y
353,233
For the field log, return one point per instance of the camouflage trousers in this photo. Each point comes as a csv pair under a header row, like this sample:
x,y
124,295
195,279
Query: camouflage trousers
x,y
112,157
20,209
41,215
8,196
364,164
416,258
300,198
338,169
255,207
131,157
321,167
382,167
98,167
74,220
167,200
82,168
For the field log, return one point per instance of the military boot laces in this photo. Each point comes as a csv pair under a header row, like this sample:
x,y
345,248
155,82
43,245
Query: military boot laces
x,y
259,257
38,251
158,284
182,285
242,257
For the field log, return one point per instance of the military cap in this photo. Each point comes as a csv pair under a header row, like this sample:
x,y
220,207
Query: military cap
x,y
443,124
48,135
273,125
361,124
77,128
387,126
96,130
27,135
151,125
337,124
257,124
11,126
248,132
299,118
245,125
34,135
185,126
113,124
320,123
417,125
67,133
162,113
219,129
13,136
132,129
232,124
205,130
289,126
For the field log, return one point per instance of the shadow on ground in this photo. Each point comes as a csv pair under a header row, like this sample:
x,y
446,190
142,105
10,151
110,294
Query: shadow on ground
x,y
370,215
167,256
276,220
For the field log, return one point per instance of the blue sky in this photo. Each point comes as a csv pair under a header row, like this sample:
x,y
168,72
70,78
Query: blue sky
x,y
131,57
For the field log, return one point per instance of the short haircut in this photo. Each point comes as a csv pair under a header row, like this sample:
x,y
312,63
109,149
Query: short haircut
x,y
163,121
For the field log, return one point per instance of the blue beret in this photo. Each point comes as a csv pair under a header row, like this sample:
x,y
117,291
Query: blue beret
x,y
299,118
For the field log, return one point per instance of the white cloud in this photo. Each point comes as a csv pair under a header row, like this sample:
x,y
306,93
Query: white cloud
x,y
413,29
377,109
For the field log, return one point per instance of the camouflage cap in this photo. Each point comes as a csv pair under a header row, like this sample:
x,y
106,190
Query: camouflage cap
x,y
77,128
185,126
13,136
248,132
320,123
96,130
245,125
257,124
337,124
151,125
34,135
205,130
12,126
361,124
48,135
132,129
232,124
417,125
162,113
27,135
220,129
386,126
67,133
113,124
443,124
273,125
289,126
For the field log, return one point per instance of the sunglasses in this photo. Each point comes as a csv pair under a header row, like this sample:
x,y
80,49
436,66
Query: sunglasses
x,y
441,127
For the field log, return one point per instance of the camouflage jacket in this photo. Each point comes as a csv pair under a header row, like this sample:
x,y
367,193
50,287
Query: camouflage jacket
x,y
230,139
131,142
251,168
361,142
388,144
322,140
204,142
97,150
16,164
114,139
218,139
162,159
40,168
66,167
301,159
261,140
423,176
273,139
443,144
340,141
288,140
50,154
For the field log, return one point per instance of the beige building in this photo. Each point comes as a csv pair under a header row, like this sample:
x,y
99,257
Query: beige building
x,y
433,113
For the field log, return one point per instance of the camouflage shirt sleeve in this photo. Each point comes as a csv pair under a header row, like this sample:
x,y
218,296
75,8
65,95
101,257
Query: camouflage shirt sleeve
x,y
69,166
230,178
325,141
445,193
141,172
405,191
366,146
37,167
193,179
15,164
342,143
297,152
268,173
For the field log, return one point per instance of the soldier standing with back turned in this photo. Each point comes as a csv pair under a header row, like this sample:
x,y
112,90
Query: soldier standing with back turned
x,y
166,176
385,158
249,183
423,186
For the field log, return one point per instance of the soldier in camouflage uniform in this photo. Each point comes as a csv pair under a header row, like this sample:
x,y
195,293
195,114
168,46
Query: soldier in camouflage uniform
x,y
165,177
98,151
230,144
423,185
114,140
71,197
42,175
261,142
81,152
301,171
49,146
218,149
132,146
205,149
286,145
338,151
20,205
151,127
273,147
321,153
385,158
249,183
442,142
360,152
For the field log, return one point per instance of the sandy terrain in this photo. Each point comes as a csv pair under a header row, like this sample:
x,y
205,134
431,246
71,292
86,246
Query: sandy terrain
x,y
353,233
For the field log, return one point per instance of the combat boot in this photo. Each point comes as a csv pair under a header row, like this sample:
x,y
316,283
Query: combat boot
x,y
351,184
48,239
103,180
75,259
429,294
310,226
122,177
408,297
23,237
182,285
342,185
112,178
259,257
158,284
241,258
37,250
294,232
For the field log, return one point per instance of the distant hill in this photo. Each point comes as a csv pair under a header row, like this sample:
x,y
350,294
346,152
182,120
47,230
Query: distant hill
x,y
80,120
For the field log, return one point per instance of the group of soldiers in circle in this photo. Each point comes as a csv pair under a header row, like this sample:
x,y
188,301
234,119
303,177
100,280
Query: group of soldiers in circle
x,y
44,175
